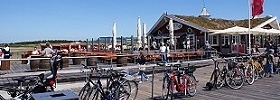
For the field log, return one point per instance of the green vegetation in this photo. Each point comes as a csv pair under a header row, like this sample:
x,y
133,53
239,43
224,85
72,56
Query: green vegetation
x,y
36,43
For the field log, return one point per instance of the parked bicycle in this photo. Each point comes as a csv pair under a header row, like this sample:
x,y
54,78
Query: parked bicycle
x,y
120,86
216,79
247,69
180,80
230,75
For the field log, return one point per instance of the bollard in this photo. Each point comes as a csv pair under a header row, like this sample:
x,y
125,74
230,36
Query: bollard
x,y
153,76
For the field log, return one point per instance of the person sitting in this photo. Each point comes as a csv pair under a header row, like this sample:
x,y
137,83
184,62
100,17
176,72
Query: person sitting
x,y
34,52
142,74
141,59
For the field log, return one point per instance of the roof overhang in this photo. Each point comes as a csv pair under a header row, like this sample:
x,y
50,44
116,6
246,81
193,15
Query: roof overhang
x,y
273,22
165,19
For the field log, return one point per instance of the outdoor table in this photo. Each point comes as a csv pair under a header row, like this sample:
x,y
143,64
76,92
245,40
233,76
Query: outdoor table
x,y
5,65
45,64
122,60
92,60
34,64
76,61
65,61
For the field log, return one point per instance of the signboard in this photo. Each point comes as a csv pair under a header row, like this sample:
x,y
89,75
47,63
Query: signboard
x,y
176,26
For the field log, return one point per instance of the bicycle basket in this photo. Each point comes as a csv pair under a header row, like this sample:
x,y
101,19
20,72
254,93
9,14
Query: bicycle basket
x,y
231,64
190,69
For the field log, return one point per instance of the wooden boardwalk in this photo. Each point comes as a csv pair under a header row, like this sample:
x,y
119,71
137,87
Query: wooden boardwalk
x,y
262,89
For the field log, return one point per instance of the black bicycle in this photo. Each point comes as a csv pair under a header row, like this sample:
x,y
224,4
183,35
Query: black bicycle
x,y
120,86
230,75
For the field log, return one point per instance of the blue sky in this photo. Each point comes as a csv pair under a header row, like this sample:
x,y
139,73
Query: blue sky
x,y
28,20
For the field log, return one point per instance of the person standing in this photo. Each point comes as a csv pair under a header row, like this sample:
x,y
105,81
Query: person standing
x,y
6,51
269,63
188,44
207,49
48,51
163,50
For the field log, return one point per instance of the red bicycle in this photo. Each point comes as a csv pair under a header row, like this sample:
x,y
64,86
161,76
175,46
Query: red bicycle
x,y
180,80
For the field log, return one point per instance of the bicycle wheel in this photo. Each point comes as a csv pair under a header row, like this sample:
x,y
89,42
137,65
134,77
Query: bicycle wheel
x,y
86,91
191,85
97,95
219,78
235,79
250,74
257,74
127,90
166,88
133,90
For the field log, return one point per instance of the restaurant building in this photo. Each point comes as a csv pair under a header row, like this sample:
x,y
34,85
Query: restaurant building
x,y
199,29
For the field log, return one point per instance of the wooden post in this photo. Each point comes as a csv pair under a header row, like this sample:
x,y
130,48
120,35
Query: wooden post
x,y
132,44
98,43
149,43
121,44
87,45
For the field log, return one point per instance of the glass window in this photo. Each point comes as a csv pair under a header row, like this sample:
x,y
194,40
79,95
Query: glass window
x,y
213,39
235,39
225,39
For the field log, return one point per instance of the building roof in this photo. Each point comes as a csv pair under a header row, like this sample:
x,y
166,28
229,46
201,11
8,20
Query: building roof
x,y
213,24
220,24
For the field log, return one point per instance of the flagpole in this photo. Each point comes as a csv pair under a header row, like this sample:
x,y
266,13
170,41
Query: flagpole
x,y
249,26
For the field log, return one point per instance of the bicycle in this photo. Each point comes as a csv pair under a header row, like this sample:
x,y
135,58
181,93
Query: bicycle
x,y
182,79
234,76
248,71
216,79
256,62
121,87
230,75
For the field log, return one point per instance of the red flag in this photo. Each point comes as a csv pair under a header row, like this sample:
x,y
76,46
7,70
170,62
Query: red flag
x,y
257,7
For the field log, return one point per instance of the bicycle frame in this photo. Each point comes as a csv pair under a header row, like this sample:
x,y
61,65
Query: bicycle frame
x,y
112,90
181,81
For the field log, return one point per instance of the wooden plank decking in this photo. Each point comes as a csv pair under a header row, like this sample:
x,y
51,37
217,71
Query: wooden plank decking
x,y
262,89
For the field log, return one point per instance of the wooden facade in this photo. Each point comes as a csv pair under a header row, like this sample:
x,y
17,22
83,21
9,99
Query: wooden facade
x,y
199,30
